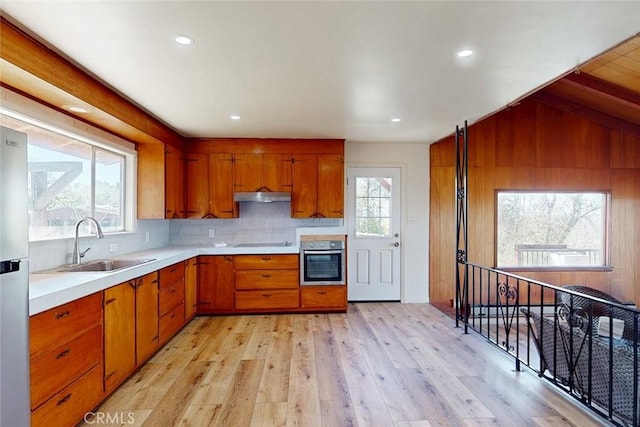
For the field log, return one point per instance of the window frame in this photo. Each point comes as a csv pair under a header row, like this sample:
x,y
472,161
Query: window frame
x,y
607,229
34,113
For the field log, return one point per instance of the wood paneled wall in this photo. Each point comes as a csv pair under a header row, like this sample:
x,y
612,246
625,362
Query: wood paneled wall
x,y
536,146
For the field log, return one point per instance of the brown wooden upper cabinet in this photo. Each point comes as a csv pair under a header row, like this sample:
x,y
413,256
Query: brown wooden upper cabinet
x,y
210,186
160,182
311,170
262,172
318,186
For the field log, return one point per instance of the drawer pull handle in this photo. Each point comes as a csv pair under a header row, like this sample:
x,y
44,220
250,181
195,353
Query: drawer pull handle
x,y
322,292
266,258
63,354
266,295
62,315
64,399
109,301
266,276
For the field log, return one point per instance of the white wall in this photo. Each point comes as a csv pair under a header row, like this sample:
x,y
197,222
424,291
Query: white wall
x,y
414,161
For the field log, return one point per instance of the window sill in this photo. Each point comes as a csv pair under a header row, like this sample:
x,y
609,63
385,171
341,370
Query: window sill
x,y
556,268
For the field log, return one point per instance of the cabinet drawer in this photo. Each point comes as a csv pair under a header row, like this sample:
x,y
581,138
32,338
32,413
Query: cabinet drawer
x,y
169,298
61,323
55,369
251,262
324,296
267,299
69,406
171,323
171,274
266,279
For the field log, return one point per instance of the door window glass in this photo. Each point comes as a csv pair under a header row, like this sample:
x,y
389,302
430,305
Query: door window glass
x,y
373,206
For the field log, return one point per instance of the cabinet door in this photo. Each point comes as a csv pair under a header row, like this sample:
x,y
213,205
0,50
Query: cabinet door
x,y
197,191
119,334
215,284
330,186
146,317
151,181
221,186
174,183
277,172
191,287
247,172
304,195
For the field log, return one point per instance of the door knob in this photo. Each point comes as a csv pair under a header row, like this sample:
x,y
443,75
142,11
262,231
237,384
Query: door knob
x,y
396,244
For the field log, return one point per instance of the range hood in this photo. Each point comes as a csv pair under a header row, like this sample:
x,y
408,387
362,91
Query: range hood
x,y
261,196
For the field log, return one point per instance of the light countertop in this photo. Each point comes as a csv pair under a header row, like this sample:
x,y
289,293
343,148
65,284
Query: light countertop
x,y
50,289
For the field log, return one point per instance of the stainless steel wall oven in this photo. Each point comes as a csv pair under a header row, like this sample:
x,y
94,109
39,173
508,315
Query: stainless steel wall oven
x,y
322,262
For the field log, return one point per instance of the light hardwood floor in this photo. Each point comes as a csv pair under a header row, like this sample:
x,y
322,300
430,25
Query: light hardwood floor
x,y
379,364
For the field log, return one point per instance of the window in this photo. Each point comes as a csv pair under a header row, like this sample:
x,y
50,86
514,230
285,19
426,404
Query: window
x,y
551,229
70,177
373,206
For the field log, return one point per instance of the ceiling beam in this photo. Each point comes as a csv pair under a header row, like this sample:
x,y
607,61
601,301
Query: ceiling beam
x,y
588,112
608,91
36,70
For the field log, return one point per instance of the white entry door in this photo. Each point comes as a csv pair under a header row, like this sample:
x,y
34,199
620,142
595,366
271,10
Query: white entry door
x,y
373,227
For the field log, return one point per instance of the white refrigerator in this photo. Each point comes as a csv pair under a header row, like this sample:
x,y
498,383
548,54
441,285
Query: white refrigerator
x,y
14,280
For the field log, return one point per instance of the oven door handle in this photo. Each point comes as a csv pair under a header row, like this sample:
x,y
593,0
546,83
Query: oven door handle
x,y
329,252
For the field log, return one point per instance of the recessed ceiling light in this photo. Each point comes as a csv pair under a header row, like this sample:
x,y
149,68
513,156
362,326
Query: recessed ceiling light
x,y
396,119
184,40
77,109
465,53
234,117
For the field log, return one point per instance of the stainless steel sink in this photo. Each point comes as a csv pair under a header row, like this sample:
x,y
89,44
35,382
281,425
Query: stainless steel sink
x,y
104,265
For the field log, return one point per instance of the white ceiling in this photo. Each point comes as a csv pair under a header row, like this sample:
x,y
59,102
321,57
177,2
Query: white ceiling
x,y
326,69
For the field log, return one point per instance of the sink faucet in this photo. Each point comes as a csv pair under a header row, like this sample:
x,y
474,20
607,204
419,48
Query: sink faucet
x,y
77,255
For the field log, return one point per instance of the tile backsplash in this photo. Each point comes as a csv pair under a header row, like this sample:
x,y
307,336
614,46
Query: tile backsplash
x,y
258,223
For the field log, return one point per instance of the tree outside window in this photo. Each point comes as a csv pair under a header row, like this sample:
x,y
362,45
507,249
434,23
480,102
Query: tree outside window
x,y
551,229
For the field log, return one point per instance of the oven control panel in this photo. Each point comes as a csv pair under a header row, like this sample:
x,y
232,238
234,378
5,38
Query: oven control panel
x,y
321,244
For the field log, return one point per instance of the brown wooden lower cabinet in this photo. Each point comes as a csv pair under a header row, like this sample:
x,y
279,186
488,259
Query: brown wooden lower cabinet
x,y
267,299
190,288
215,284
69,405
66,361
261,284
147,337
324,297
171,306
52,371
119,334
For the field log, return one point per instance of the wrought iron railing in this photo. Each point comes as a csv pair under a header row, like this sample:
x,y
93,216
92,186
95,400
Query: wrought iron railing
x,y
555,255
581,340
